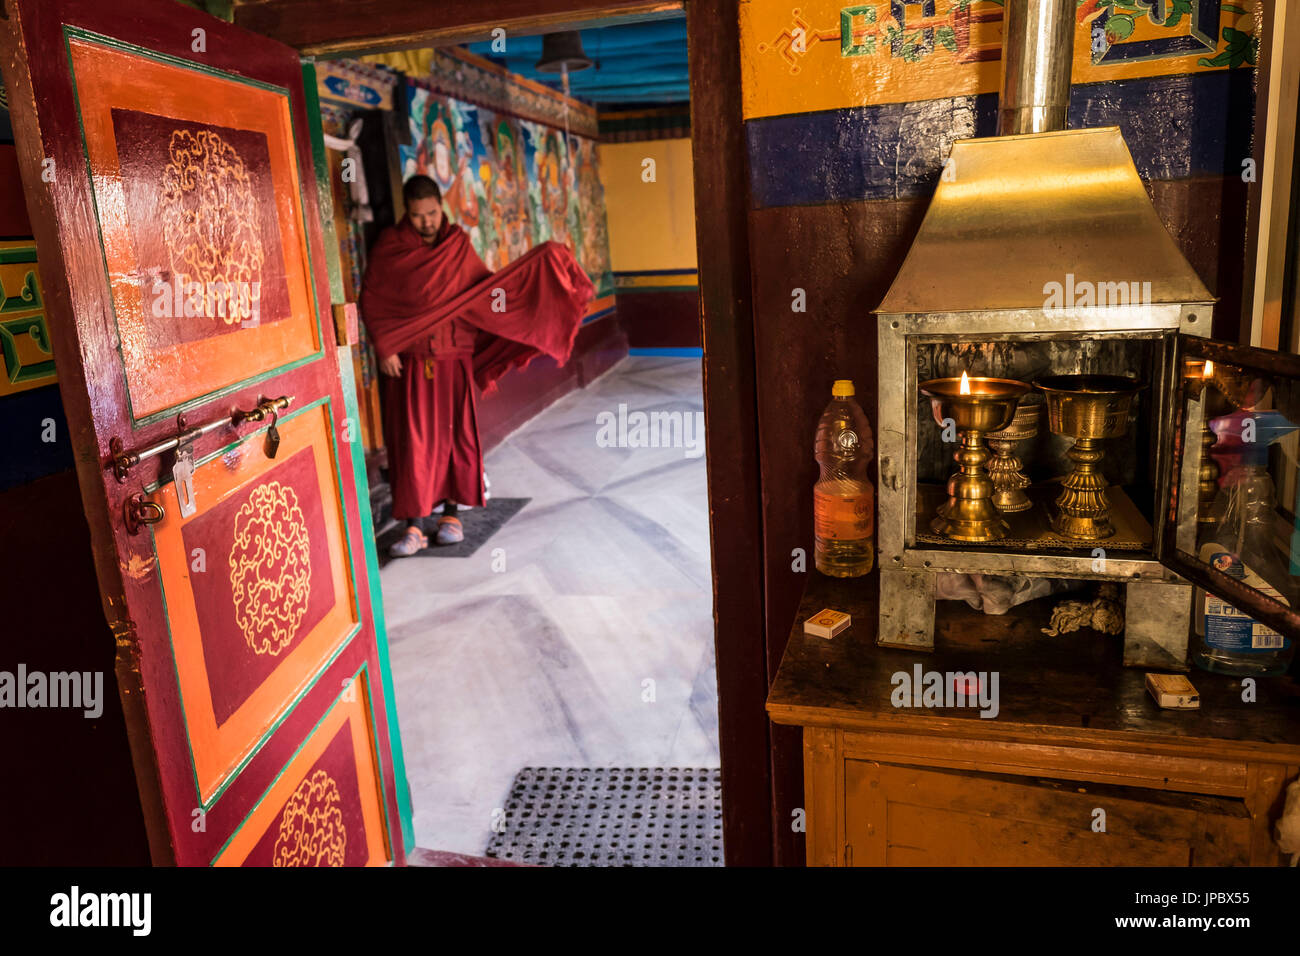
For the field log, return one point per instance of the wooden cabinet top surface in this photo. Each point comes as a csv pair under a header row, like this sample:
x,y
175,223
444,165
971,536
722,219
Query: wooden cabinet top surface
x,y
1070,690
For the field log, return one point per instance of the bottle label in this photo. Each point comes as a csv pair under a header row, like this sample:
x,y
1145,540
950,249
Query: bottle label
x,y
844,517
1227,628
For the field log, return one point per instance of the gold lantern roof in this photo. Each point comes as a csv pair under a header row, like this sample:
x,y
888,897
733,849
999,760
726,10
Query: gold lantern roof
x,y
1015,213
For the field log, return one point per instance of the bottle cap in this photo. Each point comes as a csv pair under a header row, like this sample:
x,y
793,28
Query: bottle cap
x,y
1238,443
843,388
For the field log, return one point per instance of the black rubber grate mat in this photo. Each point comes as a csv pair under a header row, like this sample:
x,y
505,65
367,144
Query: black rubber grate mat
x,y
611,816
479,524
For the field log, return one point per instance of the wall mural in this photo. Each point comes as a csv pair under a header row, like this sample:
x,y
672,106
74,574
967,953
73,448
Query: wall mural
x,y
26,354
26,357
826,54
510,182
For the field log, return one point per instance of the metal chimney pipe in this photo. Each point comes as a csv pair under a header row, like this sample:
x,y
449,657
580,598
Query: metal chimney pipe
x,y
1037,53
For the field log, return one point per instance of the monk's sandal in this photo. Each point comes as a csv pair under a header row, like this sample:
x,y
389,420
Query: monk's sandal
x,y
414,540
449,530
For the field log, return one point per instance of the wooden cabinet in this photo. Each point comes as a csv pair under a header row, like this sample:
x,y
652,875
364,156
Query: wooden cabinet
x,y
1078,767
900,815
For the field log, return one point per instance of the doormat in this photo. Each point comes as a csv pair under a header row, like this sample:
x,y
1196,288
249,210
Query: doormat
x,y
480,524
611,816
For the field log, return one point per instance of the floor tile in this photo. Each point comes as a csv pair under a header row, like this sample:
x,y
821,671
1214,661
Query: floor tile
x,y
593,646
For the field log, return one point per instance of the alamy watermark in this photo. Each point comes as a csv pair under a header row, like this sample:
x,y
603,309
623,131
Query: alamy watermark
x,y
234,302
946,689
651,430
75,908
77,690
1130,298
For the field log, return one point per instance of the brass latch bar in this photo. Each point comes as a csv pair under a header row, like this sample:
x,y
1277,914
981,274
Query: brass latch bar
x,y
124,461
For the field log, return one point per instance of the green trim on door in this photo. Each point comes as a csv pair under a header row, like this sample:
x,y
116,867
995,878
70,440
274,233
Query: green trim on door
x,y
324,189
351,408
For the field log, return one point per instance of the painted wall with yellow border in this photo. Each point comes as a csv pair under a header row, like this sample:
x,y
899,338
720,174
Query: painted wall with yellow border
x,y
651,224
824,54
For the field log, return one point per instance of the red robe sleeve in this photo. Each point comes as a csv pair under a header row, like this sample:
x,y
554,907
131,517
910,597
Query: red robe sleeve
x,y
533,306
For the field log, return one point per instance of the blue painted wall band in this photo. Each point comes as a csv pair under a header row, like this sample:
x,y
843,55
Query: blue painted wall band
x,y
1177,127
683,352
657,272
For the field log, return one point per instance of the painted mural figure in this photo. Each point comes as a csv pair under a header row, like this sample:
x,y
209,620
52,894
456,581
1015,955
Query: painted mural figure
x,y
444,323
508,199
510,182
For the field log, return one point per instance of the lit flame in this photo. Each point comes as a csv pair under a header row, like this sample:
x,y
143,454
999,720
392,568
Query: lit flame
x,y
1209,369
965,384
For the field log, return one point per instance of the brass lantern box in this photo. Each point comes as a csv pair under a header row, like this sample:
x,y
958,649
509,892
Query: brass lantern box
x,y
1040,255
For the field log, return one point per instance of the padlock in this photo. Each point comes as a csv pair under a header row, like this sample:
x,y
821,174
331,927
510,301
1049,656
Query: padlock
x,y
273,436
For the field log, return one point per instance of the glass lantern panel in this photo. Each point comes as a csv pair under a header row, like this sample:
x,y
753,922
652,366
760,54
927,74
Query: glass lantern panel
x,y
1236,493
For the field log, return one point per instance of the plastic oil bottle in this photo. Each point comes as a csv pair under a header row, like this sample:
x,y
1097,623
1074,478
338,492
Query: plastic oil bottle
x,y
844,500
1241,546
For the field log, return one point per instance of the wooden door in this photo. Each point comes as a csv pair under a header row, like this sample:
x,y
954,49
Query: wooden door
x,y
170,177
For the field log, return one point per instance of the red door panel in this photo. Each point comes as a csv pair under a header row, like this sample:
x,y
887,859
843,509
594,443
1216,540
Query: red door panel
x,y
164,155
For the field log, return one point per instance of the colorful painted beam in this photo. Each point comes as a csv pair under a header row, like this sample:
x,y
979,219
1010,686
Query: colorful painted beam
x,y
825,54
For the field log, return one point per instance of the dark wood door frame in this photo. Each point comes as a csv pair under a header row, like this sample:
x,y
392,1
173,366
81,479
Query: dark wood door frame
x,y
343,27
355,27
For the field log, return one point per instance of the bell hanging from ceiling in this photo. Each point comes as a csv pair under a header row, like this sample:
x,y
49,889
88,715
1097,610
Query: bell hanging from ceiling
x,y
561,50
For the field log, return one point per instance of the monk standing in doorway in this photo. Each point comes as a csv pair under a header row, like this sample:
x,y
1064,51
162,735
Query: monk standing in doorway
x,y
442,324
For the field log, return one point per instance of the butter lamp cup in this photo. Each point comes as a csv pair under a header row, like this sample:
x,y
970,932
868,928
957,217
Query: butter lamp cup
x,y
1089,409
1009,483
969,513
1213,404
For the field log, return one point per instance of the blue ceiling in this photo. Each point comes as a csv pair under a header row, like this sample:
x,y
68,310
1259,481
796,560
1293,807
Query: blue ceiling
x,y
634,63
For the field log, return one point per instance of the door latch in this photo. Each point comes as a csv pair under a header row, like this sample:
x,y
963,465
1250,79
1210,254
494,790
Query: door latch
x,y
183,444
183,479
138,511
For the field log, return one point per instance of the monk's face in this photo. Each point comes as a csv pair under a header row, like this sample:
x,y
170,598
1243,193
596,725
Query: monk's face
x,y
426,216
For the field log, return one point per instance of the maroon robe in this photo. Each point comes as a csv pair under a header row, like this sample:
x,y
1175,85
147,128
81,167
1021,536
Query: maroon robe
x,y
456,324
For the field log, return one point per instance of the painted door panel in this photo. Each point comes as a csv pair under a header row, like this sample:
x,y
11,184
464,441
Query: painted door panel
x,y
246,641
164,155
323,810
194,181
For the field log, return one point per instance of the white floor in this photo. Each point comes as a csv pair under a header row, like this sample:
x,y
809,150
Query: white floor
x,y
594,647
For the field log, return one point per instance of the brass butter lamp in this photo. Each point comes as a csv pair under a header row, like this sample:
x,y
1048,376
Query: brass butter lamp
x,y
1199,375
975,406
1089,409
1009,482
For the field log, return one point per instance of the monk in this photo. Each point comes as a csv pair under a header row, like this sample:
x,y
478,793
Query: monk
x,y
443,326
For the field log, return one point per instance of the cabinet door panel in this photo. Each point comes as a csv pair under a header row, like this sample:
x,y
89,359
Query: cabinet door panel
x,y
907,816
